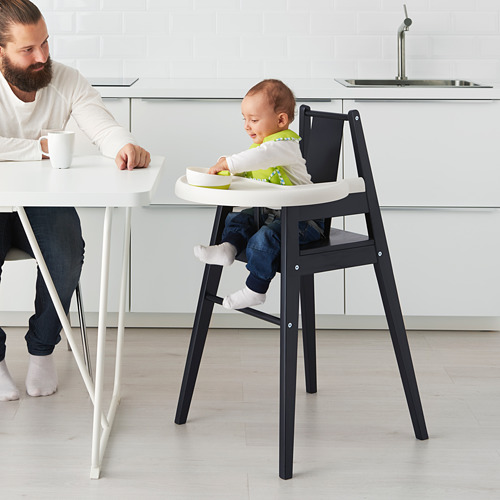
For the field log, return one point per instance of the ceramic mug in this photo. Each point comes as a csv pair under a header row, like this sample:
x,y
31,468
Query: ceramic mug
x,y
61,144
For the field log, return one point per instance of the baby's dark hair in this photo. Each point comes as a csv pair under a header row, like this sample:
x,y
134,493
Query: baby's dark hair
x,y
279,95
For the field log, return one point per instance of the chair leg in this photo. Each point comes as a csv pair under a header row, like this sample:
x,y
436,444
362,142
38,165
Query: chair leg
x,y
289,313
308,331
388,291
210,283
83,331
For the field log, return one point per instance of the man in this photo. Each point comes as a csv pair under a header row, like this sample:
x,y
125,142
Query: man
x,y
36,95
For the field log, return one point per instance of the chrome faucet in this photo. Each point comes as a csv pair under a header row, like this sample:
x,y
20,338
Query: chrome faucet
x,y
401,46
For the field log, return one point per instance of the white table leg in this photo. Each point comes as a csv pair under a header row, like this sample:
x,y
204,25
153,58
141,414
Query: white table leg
x,y
101,424
101,435
56,301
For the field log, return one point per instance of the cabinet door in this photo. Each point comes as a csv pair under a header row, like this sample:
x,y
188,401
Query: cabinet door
x,y
166,276
119,108
188,133
431,153
445,263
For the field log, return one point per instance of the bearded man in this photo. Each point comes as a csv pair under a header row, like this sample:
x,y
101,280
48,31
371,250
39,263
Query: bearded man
x,y
38,94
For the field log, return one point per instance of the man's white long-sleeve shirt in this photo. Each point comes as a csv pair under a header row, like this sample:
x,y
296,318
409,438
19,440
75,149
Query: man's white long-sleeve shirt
x,y
68,94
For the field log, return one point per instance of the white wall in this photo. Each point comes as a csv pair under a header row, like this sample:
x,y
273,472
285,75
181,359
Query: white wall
x,y
279,38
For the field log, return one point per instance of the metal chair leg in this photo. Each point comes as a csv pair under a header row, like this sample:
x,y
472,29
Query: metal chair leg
x,y
83,331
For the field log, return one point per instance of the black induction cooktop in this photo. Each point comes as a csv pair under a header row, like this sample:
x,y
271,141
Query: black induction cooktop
x,y
112,81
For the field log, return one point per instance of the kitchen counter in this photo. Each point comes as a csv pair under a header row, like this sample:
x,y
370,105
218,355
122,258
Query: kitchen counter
x,y
304,89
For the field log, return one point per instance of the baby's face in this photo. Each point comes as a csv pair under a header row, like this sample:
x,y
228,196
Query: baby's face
x,y
260,119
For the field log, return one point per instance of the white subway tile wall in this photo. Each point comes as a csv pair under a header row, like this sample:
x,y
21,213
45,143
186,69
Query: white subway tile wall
x,y
279,38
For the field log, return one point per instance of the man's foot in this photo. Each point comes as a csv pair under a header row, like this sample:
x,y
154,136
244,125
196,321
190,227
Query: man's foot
x,y
8,390
243,298
42,376
220,255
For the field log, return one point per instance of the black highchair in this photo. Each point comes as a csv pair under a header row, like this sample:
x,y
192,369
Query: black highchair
x,y
321,134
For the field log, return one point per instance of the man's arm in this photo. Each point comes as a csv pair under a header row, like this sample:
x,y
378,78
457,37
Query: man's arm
x,y
99,125
12,149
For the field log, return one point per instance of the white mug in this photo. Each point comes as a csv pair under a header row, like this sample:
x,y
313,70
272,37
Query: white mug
x,y
61,144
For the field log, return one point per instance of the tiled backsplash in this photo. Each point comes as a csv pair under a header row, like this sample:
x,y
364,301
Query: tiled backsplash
x,y
278,38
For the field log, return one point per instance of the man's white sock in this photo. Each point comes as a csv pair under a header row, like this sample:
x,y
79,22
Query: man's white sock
x,y
42,376
8,390
243,298
220,255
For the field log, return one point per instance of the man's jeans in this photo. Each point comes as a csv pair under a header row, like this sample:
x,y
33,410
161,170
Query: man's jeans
x,y
263,246
59,235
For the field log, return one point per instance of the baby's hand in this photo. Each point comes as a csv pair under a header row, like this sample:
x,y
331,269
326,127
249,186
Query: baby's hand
x,y
219,166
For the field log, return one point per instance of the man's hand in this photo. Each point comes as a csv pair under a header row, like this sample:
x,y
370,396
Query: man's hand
x,y
44,144
132,156
219,166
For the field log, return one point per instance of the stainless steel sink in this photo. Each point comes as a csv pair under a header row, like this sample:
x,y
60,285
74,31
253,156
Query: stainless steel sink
x,y
358,82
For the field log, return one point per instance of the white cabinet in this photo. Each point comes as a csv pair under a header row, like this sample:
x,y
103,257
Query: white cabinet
x,y
17,289
445,263
436,165
431,153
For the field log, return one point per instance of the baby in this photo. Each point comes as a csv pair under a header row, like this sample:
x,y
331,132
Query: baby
x,y
268,108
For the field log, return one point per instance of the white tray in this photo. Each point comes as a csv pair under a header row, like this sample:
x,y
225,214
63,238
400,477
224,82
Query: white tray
x,y
245,192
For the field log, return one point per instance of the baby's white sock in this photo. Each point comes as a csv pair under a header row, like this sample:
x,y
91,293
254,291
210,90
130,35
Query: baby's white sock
x,y
42,376
8,390
220,255
243,298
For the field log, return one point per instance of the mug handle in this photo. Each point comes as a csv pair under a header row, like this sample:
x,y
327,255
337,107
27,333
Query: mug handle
x,y
40,144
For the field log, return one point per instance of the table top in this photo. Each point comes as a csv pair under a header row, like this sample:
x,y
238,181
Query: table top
x,y
245,192
91,181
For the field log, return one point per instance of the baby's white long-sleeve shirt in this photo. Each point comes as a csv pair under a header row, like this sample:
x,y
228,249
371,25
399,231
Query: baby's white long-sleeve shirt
x,y
278,153
68,94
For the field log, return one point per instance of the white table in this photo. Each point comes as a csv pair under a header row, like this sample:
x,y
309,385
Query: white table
x,y
92,181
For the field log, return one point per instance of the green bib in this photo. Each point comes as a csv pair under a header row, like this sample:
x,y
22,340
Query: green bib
x,y
276,175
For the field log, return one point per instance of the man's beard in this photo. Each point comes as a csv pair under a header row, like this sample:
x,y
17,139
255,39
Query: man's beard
x,y
27,79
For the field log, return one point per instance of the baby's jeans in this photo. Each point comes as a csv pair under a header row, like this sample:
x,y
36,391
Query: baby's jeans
x,y
263,245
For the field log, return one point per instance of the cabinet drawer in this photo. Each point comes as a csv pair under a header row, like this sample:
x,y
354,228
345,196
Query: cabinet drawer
x,y
431,153
445,264
166,276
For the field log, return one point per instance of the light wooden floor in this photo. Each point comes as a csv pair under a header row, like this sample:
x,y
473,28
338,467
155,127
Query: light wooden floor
x,y
354,438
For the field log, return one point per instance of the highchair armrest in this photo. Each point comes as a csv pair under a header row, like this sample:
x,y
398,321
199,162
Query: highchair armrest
x,y
245,192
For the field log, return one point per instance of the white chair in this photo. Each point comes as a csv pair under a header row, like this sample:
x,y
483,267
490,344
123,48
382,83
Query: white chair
x,y
17,254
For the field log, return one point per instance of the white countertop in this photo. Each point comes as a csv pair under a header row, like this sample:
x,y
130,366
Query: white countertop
x,y
304,89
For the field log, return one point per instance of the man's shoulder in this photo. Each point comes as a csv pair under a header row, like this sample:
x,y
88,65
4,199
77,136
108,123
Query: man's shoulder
x,y
61,72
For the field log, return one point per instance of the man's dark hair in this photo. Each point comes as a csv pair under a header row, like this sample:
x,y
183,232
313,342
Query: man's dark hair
x,y
16,12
